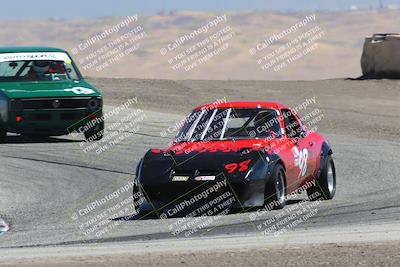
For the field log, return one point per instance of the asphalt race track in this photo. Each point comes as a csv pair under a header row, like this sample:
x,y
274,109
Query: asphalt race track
x,y
46,183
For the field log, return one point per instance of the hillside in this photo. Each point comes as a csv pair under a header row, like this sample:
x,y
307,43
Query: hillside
x,y
337,53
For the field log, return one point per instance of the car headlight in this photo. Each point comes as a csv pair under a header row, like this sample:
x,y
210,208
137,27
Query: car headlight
x,y
94,103
17,106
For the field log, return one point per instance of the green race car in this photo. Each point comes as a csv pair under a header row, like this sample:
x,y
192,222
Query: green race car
x,y
42,93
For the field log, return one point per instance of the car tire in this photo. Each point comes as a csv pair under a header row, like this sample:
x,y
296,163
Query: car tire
x,y
275,189
3,135
325,186
135,202
95,134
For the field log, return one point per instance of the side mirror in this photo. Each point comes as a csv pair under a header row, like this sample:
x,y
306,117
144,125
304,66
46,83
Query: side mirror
x,y
302,134
296,136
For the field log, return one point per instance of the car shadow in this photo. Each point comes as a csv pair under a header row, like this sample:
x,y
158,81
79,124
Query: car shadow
x,y
151,215
22,139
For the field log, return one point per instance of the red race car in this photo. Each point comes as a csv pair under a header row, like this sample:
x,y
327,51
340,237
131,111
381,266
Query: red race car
x,y
255,153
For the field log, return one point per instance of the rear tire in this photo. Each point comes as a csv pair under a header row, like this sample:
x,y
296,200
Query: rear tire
x,y
275,189
325,186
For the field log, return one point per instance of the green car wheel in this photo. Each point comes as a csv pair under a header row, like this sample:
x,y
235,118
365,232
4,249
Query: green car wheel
x,y
96,133
3,135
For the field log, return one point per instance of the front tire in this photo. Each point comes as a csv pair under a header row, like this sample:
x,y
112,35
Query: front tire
x,y
3,135
95,134
275,189
325,186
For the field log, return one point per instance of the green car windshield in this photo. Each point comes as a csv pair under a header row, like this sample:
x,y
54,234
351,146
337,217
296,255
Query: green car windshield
x,y
24,69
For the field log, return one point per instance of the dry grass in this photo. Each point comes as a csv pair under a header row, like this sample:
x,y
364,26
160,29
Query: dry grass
x,y
338,54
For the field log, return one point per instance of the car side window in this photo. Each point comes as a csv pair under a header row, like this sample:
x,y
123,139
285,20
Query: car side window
x,y
293,127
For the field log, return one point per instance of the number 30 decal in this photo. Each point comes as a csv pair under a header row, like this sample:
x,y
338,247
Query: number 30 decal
x,y
300,160
241,167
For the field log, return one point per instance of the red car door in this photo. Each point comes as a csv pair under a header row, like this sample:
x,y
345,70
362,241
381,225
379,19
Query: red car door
x,y
302,149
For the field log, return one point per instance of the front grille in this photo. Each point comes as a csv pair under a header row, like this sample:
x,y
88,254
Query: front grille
x,y
49,104
38,117
72,116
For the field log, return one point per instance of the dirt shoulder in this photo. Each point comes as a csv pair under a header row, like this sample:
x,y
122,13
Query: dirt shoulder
x,y
367,109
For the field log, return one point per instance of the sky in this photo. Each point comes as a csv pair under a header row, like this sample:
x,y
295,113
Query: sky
x,y
27,9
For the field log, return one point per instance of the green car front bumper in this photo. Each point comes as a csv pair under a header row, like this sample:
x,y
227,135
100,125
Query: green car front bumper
x,y
52,117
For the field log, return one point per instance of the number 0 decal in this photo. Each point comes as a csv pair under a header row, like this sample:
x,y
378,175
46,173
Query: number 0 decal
x,y
80,90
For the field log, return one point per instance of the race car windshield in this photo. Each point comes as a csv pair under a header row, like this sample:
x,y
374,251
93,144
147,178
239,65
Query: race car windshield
x,y
225,124
36,70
